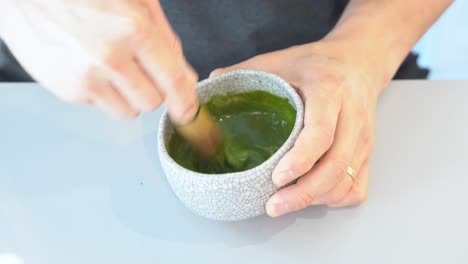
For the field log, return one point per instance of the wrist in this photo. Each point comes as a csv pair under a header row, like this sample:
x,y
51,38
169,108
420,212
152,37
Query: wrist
x,y
377,50
378,35
361,64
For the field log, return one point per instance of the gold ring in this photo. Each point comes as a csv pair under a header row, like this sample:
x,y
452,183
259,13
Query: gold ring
x,y
351,173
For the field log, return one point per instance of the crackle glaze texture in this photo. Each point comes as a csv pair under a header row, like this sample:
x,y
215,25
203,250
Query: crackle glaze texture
x,y
229,196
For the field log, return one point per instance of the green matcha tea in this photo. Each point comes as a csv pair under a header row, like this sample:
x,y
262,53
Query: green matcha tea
x,y
255,124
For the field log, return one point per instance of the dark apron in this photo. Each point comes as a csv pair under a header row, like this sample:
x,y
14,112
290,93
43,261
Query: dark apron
x,y
218,33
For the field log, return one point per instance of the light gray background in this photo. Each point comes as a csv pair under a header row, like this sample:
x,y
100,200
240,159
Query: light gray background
x,y
76,187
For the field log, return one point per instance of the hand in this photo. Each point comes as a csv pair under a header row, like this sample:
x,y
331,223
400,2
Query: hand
x,y
120,55
340,96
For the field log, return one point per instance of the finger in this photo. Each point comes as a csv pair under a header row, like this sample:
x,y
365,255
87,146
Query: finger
x,y
260,62
76,95
330,171
131,80
334,165
159,52
80,100
107,97
181,99
154,15
315,139
336,194
267,62
358,193
362,154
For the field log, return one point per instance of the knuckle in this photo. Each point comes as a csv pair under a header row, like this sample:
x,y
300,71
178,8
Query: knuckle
x,y
326,132
86,89
141,33
368,140
300,164
144,38
360,197
182,79
93,89
150,105
303,164
149,100
91,86
185,113
304,199
86,82
332,82
178,79
328,135
335,197
362,115
338,168
117,57
114,62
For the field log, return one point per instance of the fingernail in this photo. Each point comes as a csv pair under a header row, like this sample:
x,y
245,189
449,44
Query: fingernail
x,y
275,207
282,178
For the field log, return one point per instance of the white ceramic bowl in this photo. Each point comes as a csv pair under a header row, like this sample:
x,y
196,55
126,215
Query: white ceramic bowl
x,y
229,196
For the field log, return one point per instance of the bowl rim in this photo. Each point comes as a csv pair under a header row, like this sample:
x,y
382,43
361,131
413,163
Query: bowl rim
x,y
298,125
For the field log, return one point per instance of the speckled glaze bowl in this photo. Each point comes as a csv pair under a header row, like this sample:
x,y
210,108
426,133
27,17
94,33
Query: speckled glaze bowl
x,y
229,196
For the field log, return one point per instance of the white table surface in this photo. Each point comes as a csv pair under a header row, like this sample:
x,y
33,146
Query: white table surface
x,y
77,187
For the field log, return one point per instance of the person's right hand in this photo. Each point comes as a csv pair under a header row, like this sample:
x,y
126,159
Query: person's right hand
x,y
120,55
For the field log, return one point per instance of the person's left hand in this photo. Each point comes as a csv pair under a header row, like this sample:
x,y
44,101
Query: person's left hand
x,y
339,92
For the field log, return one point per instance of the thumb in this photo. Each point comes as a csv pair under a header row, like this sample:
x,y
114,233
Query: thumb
x,y
255,63
231,68
218,71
